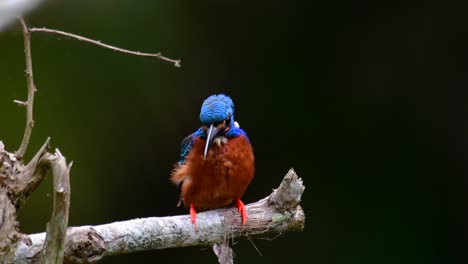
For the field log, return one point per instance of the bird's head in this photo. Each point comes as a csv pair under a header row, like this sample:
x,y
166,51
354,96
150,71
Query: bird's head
x,y
217,118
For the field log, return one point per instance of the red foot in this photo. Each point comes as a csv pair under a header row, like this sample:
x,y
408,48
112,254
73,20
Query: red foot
x,y
240,206
193,215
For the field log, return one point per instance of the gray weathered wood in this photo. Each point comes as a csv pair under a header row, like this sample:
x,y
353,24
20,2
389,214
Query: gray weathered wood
x,y
273,215
54,246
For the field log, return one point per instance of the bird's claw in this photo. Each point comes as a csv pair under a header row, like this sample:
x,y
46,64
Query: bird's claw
x,y
240,206
193,215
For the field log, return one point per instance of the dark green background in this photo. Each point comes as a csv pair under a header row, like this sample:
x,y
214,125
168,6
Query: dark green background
x,y
364,101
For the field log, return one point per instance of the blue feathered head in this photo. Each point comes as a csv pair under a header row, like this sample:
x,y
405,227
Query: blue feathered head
x,y
216,109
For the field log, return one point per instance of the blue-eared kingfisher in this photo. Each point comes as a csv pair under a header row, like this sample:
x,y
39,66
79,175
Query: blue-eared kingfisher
x,y
216,162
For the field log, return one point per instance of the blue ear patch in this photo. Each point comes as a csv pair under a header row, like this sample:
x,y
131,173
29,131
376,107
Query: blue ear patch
x,y
215,109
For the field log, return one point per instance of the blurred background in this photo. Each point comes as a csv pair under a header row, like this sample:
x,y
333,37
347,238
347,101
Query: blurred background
x,y
364,101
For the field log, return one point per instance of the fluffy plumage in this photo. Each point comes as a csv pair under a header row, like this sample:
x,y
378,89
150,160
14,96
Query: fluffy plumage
x,y
216,163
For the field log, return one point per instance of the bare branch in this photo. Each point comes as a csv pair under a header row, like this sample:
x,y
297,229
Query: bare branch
x,y
289,192
31,90
90,243
54,245
16,183
224,252
8,224
20,103
30,176
99,43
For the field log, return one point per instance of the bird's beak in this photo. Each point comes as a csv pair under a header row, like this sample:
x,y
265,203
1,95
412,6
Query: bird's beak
x,y
211,134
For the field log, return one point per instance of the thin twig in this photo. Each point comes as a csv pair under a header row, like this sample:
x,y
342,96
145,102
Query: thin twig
x,y
99,43
256,248
20,103
31,90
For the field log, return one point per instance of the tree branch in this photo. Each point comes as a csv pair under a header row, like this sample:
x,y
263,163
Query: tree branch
x,y
91,243
17,182
28,177
31,90
8,224
54,245
99,43
224,252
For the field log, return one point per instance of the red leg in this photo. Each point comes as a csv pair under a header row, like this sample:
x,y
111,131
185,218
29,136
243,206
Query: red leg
x,y
240,206
193,214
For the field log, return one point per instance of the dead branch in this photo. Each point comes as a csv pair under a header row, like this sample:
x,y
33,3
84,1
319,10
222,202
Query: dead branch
x,y
99,43
31,90
224,252
27,178
17,182
54,245
90,243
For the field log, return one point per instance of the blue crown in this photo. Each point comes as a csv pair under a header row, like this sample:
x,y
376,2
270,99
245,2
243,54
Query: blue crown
x,y
215,109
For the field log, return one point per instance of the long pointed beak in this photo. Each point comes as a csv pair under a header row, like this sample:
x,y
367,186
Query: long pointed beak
x,y
212,133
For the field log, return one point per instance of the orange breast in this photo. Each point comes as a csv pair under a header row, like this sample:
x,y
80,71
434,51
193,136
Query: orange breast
x,y
220,178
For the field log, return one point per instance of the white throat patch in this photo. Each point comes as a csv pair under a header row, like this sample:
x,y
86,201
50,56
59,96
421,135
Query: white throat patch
x,y
220,140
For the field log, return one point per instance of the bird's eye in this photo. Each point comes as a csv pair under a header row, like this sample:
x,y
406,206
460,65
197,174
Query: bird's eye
x,y
227,123
221,125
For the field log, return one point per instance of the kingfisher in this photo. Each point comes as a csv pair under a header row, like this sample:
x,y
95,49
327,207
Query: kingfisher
x,y
216,163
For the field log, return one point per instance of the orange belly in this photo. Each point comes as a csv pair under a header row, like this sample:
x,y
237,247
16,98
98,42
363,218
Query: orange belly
x,y
220,178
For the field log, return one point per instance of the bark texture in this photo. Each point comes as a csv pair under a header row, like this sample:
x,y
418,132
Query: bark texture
x,y
273,215
17,182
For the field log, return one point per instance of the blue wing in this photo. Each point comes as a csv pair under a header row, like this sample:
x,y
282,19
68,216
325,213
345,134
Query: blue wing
x,y
187,144
185,148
